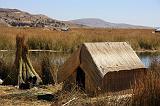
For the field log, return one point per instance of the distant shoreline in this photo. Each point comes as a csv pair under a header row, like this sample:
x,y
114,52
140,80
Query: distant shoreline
x,y
54,51
149,51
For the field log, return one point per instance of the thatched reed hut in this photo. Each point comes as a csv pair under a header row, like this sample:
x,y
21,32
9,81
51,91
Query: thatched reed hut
x,y
101,67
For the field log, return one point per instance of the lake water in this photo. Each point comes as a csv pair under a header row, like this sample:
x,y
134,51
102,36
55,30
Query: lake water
x,y
147,58
59,58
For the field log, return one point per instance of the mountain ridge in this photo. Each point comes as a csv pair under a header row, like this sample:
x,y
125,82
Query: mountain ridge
x,y
99,23
18,18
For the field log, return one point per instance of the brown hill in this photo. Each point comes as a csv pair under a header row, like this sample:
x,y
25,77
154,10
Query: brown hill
x,y
15,17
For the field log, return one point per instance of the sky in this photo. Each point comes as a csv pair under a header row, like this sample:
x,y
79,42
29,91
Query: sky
x,y
136,12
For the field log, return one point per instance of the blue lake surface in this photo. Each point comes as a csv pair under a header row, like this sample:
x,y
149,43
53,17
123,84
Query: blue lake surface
x,y
59,58
148,58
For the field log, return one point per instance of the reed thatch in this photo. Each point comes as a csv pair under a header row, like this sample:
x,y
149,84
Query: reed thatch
x,y
99,59
23,73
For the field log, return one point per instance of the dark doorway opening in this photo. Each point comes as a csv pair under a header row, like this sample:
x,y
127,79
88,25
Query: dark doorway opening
x,y
80,78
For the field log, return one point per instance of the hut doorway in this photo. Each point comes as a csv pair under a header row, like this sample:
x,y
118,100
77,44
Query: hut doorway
x,y
80,78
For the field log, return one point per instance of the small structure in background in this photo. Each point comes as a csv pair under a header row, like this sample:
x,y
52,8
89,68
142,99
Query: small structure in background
x,y
23,72
102,67
65,28
157,30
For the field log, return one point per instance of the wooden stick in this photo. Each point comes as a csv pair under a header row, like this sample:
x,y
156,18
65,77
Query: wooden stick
x,y
69,101
29,72
20,79
24,71
39,80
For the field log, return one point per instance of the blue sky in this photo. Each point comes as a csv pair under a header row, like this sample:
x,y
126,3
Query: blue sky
x,y
138,12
